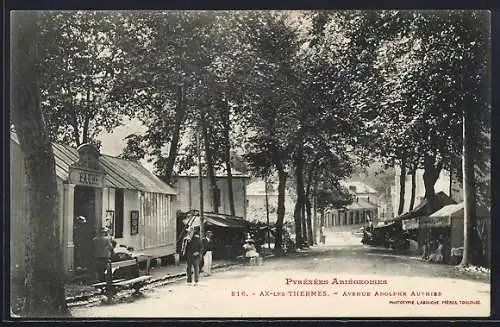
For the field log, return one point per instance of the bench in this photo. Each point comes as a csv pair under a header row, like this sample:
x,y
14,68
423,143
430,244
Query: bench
x,y
124,275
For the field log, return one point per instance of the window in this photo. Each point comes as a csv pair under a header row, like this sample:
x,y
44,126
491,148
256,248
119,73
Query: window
x,y
352,188
118,213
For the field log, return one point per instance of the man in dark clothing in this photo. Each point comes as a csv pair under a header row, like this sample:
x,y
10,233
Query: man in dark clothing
x,y
103,250
192,252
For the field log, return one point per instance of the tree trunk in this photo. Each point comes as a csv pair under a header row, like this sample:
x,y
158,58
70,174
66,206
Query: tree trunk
x,y
180,113
310,240
472,243
86,124
451,182
315,213
308,206
227,155
74,123
305,226
44,279
413,188
282,176
210,165
402,185
431,175
299,180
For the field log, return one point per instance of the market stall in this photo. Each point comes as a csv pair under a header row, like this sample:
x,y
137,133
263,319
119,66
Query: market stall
x,y
228,232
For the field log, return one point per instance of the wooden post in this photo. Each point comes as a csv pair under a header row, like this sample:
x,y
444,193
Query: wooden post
x,y
109,281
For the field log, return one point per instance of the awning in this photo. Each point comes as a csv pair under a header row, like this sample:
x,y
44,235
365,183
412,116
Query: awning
x,y
427,222
457,210
423,208
409,224
218,220
226,221
383,224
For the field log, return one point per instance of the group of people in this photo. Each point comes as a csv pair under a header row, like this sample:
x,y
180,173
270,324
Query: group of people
x,y
434,251
198,254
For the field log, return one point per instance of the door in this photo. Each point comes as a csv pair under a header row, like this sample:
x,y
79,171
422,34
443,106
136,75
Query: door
x,y
85,225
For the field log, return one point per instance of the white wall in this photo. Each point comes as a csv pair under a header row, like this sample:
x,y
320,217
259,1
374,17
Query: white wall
x,y
188,195
132,202
256,207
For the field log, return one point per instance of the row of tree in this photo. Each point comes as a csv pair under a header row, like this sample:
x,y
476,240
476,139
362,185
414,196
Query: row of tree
x,y
304,96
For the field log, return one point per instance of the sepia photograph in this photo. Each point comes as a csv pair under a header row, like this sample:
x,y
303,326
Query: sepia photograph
x,y
250,164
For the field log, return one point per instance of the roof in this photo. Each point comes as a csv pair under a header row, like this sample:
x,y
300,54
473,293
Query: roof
x,y
422,208
218,220
360,187
382,224
259,188
457,210
193,172
360,204
120,173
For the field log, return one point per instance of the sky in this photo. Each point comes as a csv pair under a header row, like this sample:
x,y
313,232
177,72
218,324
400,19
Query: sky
x,y
113,143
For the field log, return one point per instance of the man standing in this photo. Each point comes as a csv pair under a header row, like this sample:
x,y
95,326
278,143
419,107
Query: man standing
x,y
207,249
192,251
103,250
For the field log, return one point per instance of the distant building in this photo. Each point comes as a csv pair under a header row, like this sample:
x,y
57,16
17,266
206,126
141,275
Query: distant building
x,y
355,213
362,191
256,202
188,193
363,207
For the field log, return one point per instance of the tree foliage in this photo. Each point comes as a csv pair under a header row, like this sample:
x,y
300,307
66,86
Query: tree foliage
x,y
80,65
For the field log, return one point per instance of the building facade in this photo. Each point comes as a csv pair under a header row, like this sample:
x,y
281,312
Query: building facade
x,y
355,213
362,191
94,191
188,196
256,202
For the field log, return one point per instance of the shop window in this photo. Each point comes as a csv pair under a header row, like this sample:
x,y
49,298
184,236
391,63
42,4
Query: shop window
x,y
119,213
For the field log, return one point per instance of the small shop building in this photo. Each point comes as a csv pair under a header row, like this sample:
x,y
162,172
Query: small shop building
x,y
228,232
95,191
448,222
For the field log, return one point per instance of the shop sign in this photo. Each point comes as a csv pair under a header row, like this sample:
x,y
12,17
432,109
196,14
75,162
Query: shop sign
x,y
435,222
86,178
409,224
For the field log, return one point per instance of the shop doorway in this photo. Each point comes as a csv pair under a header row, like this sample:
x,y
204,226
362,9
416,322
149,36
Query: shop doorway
x,y
85,225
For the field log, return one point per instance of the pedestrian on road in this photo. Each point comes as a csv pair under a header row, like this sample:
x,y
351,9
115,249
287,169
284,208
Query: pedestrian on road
x,y
322,234
192,251
103,251
207,243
